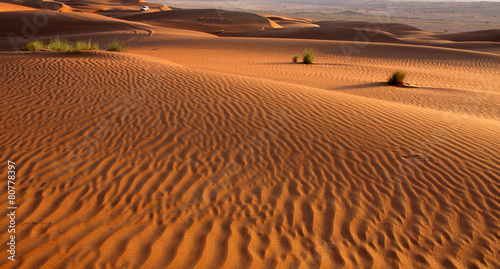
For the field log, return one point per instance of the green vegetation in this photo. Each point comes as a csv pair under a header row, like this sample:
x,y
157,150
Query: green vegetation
x,y
221,31
295,58
59,44
117,46
397,78
33,46
308,57
86,45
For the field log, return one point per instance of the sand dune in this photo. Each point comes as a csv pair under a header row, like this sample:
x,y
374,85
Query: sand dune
x,y
485,35
244,24
323,33
205,20
90,5
57,23
287,22
12,7
155,165
445,79
37,5
196,151
271,26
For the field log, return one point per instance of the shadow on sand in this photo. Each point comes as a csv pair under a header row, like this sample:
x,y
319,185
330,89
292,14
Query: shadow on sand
x,y
362,86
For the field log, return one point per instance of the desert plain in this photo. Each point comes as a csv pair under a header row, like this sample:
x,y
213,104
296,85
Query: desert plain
x,y
203,145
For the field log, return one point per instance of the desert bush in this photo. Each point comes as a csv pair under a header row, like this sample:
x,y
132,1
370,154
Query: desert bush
x,y
33,46
86,45
60,44
397,78
295,58
221,31
117,46
308,57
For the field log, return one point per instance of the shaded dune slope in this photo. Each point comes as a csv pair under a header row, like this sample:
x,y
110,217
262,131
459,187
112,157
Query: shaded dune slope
x,y
205,20
89,5
157,166
50,23
264,25
287,22
233,23
12,7
485,35
40,5
325,33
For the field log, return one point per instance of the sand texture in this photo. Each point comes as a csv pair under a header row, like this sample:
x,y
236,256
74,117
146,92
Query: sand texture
x,y
203,150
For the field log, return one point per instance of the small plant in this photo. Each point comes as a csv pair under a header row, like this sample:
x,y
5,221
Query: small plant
x,y
60,44
33,46
221,31
117,46
86,45
295,58
397,78
308,57
201,18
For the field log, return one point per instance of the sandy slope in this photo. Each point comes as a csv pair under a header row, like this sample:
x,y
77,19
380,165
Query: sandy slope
x,y
194,151
155,165
264,25
203,20
449,80
44,23
19,27
12,7
89,5
287,22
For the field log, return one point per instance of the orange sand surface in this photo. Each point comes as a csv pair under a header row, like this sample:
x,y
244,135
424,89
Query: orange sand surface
x,y
203,150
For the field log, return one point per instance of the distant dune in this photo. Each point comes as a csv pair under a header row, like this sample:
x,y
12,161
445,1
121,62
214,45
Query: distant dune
x,y
12,7
485,35
197,149
205,20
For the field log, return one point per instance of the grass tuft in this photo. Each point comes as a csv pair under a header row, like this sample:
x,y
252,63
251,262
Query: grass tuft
x,y
295,58
308,57
86,45
60,44
33,46
117,46
397,78
221,31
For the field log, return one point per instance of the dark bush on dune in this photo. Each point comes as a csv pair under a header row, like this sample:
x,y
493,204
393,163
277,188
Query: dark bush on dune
x,y
397,78
308,57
